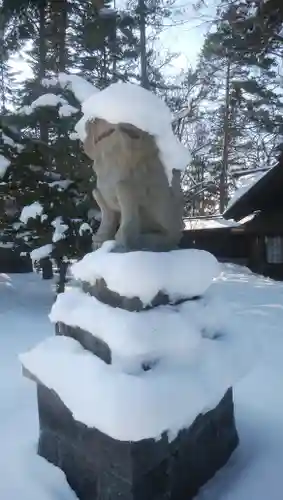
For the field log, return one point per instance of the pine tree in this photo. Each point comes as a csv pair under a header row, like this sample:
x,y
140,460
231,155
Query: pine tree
x,y
49,172
253,41
242,106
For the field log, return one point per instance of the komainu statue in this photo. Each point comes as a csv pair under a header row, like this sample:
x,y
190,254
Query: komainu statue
x,y
140,209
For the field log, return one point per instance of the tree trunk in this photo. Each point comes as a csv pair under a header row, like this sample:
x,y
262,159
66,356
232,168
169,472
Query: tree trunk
x,y
59,21
62,268
47,270
114,48
225,152
2,68
143,54
43,129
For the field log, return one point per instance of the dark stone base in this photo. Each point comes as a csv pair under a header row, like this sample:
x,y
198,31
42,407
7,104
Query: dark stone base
x,y
102,293
98,467
88,341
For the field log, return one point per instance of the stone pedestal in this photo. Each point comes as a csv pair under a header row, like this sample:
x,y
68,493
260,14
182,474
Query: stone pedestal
x,y
98,467
102,293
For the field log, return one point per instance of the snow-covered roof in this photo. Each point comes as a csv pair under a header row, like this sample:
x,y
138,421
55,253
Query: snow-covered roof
x,y
129,103
208,223
245,183
257,191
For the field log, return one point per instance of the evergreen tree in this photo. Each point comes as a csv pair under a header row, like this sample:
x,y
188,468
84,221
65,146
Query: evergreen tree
x,y
241,109
250,33
49,174
103,45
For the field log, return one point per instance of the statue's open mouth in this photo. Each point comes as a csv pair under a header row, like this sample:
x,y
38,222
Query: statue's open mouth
x,y
131,133
104,135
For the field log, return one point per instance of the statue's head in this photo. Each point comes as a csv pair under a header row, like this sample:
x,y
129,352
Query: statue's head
x,y
96,131
121,146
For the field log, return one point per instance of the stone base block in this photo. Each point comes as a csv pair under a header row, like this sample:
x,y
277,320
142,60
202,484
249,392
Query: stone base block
x,y
91,343
102,293
87,340
98,467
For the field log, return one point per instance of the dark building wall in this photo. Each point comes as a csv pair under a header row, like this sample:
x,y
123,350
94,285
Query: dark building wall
x,y
266,232
226,244
249,245
12,262
266,223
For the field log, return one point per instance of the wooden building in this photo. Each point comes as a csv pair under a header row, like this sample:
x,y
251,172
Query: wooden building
x,y
224,239
264,232
253,234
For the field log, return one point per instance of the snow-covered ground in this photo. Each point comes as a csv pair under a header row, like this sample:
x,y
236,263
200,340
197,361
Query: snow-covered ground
x,y
255,470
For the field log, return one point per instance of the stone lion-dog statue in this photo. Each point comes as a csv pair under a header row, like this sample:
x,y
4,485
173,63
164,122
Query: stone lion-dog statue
x,y
139,207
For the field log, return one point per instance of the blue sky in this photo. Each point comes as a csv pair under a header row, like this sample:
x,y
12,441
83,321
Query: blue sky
x,y
187,37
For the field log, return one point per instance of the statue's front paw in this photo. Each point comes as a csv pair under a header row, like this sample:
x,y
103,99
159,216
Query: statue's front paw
x,y
127,238
119,237
97,242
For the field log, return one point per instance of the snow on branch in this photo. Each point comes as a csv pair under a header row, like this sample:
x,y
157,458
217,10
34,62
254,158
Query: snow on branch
x,y
183,113
85,228
59,229
67,110
4,164
50,100
81,88
31,212
41,253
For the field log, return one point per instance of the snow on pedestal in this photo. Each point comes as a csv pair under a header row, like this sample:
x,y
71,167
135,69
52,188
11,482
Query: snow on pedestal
x,y
179,274
147,419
